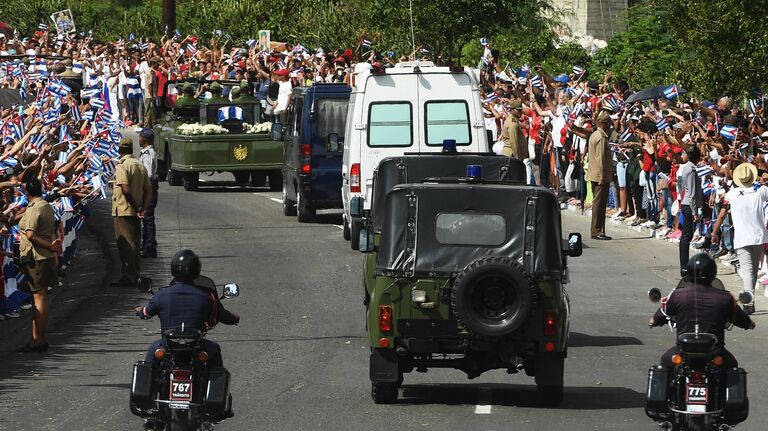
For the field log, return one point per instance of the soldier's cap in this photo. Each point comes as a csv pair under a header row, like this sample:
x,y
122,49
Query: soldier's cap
x,y
187,86
244,84
603,117
516,104
215,86
126,143
147,133
235,91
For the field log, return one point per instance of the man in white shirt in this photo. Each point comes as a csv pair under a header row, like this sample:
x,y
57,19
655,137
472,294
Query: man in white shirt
x,y
747,211
283,96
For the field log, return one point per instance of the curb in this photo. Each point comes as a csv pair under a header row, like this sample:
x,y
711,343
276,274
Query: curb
x,y
86,275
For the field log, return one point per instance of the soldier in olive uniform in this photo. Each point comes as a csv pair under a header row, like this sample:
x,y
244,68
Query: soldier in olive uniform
x,y
515,144
600,173
216,97
38,254
187,98
245,94
131,196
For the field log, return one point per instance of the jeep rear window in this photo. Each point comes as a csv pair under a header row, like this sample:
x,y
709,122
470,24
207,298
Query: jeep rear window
x,y
389,124
330,115
470,229
447,119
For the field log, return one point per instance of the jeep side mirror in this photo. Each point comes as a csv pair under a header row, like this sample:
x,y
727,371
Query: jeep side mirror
x,y
277,131
231,290
366,240
356,207
575,247
332,143
746,297
654,295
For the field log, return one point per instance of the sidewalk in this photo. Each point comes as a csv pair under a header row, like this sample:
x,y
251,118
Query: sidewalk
x,y
725,272
87,274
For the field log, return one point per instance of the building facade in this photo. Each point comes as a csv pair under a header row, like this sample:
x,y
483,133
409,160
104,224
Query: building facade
x,y
600,19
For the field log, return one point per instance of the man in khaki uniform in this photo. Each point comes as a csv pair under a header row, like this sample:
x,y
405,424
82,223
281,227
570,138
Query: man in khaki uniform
x,y
600,173
515,144
38,250
131,195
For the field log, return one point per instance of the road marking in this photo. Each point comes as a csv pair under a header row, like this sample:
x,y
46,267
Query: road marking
x,y
339,226
483,406
278,200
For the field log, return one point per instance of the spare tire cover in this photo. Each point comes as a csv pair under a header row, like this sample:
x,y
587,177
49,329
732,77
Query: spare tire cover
x,y
493,296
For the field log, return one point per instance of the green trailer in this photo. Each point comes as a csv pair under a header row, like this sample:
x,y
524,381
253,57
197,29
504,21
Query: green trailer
x,y
184,150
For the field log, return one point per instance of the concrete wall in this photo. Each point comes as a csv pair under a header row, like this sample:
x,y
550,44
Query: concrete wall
x,y
597,18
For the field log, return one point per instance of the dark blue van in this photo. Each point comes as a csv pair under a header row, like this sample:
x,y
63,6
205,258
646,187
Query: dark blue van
x,y
314,146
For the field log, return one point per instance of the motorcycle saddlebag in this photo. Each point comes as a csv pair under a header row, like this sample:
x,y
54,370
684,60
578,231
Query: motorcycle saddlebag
x,y
656,392
141,386
736,401
217,393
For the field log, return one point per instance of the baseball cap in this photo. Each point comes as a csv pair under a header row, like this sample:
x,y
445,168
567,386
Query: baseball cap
x,y
147,133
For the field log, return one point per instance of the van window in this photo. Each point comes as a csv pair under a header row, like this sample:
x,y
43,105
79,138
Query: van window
x,y
470,229
389,124
447,119
298,112
329,117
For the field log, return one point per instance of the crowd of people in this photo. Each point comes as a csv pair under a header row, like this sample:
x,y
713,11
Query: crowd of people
x,y
690,169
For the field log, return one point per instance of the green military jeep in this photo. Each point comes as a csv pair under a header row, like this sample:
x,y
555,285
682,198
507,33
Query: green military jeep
x,y
194,139
464,272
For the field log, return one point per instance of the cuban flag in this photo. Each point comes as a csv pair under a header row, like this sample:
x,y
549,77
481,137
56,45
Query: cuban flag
x,y
230,113
23,90
144,46
729,132
536,82
251,43
579,71
20,201
77,67
191,49
177,34
59,89
611,102
491,97
365,43
39,140
627,135
67,203
131,37
79,221
74,110
64,134
42,26
753,105
16,126
97,103
704,170
14,298
662,124
671,92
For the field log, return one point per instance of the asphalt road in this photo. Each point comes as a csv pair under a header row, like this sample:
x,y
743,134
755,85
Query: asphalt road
x,y
299,356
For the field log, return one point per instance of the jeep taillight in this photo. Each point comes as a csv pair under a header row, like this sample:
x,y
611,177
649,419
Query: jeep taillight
x,y
550,323
354,178
306,153
385,318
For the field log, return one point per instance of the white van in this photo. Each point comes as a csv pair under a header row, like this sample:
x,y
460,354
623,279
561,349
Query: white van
x,y
409,108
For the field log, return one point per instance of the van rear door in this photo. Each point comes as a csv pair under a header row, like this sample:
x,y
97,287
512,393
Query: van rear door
x,y
448,111
327,117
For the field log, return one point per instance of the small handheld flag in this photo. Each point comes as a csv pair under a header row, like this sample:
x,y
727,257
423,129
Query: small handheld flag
x,y
579,71
662,124
671,92
729,132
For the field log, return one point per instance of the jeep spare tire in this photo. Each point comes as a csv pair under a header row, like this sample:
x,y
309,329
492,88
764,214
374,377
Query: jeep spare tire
x,y
492,297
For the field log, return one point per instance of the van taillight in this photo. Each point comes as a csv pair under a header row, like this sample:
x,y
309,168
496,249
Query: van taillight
x,y
550,323
385,318
354,178
306,152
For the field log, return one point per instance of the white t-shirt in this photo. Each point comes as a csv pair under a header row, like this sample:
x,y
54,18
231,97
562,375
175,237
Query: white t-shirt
x,y
747,207
282,96
557,126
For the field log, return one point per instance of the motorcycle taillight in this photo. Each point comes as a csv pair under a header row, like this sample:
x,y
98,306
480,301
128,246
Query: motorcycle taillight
x,y
698,377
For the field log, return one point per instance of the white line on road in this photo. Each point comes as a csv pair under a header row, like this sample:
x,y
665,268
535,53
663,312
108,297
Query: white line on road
x,y
483,406
278,200
339,226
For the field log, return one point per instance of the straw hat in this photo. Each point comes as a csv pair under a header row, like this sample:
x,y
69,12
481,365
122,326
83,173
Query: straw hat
x,y
745,175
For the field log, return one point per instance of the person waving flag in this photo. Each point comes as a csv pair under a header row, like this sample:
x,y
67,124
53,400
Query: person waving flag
x,y
671,92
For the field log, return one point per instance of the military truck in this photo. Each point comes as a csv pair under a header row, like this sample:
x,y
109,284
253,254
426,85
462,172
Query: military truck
x,y
181,158
464,271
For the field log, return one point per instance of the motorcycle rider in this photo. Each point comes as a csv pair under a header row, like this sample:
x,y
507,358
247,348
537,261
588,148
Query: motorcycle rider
x,y
183,302
698,303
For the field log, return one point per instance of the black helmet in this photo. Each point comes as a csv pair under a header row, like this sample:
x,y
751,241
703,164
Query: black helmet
x,y
702,269
185,265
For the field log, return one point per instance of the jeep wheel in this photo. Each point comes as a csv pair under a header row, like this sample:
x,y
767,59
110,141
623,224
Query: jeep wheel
x,y
289,206
191,181
492,297
241,177
175,178
384,393
305,213
258,178
275,180
354,234
549,395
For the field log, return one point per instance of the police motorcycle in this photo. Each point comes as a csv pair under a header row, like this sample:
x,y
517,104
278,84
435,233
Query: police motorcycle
x,y
183,394
699,394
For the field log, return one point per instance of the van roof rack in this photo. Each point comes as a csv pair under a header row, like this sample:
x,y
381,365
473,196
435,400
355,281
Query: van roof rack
x,y
415,63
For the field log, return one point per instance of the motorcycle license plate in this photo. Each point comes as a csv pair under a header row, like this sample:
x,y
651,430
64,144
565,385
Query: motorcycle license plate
x,y
181,389
696,398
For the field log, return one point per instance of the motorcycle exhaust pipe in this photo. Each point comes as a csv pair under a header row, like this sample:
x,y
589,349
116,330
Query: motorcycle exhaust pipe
x,y
520,367
666,426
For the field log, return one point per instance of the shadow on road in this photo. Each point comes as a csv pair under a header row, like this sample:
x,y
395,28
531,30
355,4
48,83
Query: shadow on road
x,y
574,397
577,339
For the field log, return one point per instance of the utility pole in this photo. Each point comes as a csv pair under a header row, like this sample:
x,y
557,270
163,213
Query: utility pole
x,y
169,15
